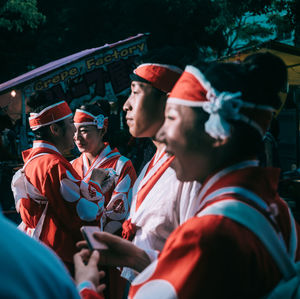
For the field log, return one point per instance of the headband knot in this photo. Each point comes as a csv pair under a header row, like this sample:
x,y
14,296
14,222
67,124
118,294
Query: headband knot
x,y
85,118
194,90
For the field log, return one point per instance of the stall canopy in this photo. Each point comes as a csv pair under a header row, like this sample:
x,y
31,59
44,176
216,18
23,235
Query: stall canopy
x,y
289,54
84,77
101,72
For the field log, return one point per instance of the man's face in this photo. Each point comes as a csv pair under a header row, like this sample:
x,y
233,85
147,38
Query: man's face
x,y
67,134
144,110
186,140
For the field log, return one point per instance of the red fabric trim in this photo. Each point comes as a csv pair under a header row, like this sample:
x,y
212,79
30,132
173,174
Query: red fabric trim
x,y
129,230
81,117
52,114
90,294
152,181
189,88
160,77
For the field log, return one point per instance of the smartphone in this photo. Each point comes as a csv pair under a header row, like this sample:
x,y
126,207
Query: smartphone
x,y
93,244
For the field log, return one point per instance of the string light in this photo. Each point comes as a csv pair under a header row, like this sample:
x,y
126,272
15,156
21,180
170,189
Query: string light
x,y
13,93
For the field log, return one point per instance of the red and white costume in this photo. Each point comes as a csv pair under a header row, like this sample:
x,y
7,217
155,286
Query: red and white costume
x,y
53,202
215,257
212,256
118,197
122,172
160,204
52,199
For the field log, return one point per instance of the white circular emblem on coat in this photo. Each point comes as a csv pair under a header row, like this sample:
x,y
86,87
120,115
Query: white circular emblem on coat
x,y
69,190
124,185
146,274
159,288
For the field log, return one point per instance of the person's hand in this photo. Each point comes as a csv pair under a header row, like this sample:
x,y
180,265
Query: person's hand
x,y
86,269
120,252
99,175
109,180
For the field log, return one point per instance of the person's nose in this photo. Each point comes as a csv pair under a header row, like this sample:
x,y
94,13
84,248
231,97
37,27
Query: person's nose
x,y
76,135
127,104
161,135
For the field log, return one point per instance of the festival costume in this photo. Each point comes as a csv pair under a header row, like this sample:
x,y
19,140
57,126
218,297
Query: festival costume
x,y
118,197
53,201
160,204
211,255
215,257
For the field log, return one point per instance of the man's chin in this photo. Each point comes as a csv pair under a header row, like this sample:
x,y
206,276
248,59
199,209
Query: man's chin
x,y
179,174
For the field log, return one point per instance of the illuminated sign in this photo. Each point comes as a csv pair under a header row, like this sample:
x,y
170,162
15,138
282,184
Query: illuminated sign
x,y
102,75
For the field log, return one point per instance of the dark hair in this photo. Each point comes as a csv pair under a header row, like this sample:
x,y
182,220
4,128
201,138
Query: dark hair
x,y
99,107
266,76
260,77
37,102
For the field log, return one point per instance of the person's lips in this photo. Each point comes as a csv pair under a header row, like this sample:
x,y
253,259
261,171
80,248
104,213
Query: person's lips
x,y
80,144
129,120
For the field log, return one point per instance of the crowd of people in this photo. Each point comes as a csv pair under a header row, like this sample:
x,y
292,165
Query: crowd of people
x,y
202,220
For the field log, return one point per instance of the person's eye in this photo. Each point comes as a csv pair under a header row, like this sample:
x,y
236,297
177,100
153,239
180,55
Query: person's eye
x,y
170,117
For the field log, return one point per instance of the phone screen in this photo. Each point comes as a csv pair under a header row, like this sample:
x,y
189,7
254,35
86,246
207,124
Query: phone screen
x,y
87,232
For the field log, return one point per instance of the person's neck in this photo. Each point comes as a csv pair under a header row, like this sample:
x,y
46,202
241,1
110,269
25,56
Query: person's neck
x,y
225,164
91,156
60,147
159,146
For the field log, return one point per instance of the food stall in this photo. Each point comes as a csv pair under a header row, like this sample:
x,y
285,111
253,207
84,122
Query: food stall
x,y
84,77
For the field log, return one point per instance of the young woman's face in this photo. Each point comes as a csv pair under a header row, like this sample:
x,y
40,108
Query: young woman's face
x,y
184,137
88,139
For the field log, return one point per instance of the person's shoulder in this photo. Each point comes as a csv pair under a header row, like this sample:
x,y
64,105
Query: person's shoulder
x,y
24,263
76,162
209,227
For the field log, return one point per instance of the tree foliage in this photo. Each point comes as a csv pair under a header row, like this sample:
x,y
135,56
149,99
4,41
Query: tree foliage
x,y
18,14
34,33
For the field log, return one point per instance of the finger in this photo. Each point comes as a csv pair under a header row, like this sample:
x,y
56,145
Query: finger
x,y
107,238
77,259
94,259
101,274
81,244
101,288
85,253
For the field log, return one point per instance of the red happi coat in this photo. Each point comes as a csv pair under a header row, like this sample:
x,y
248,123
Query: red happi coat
x,y
56,194
118,197
214,256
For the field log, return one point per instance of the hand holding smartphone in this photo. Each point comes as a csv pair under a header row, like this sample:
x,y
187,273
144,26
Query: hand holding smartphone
x,y
87,232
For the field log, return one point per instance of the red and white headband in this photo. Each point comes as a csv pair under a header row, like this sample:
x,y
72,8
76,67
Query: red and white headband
x,y
49,115
194,90
160,76
84,118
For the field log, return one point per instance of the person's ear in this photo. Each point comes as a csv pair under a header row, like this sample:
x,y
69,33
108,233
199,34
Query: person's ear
x,y
103,131
55,129
220,142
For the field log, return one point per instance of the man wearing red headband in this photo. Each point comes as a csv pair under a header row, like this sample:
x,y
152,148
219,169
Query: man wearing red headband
x,y
243,242
52,200
160,202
